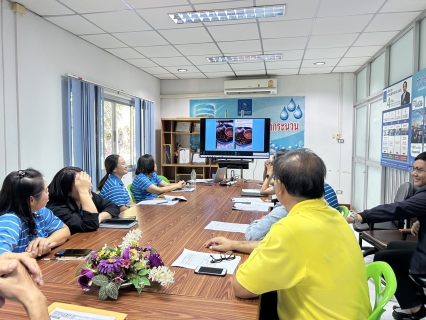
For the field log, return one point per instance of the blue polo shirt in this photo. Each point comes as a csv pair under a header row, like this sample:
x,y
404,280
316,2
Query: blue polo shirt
x,y
141,183
115,191
14,233
331,197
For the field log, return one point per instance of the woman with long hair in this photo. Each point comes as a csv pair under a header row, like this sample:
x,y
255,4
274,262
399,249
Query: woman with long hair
x,y
147,184
72,200
111,186
26,225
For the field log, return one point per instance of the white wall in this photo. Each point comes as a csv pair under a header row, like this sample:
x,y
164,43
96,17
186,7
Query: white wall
x,y
35,55
324,116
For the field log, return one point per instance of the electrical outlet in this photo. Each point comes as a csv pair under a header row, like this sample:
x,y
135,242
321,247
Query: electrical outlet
x,y
339,191
337,135
340,140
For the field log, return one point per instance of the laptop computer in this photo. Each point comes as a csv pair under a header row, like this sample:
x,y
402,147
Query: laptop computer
x,y
220,176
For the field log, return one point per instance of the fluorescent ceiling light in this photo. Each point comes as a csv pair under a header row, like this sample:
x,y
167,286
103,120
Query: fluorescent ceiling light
x,y
258,57
182,70
319,63
228,14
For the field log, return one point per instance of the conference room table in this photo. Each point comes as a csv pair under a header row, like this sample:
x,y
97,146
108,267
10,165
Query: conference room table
x,y
169,229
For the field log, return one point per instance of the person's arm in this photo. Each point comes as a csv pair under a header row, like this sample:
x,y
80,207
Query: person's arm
x,y
17,285
106,208
267,179
27,260
42,246
265,168
225,244
83,185
165,187
258,229
240,291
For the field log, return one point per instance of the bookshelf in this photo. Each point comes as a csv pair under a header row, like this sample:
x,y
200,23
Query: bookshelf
x,y
184,132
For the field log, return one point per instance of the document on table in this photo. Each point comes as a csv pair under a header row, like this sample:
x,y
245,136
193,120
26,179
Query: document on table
x,y
192,259
62,314
159,202
261,207
184,189
227,226
247,200
173,198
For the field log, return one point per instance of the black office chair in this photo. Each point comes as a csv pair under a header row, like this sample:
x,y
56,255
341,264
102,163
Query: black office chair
x,y
404,192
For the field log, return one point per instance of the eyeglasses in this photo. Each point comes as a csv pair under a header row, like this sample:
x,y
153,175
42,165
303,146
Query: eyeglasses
x,y
229,255
417,169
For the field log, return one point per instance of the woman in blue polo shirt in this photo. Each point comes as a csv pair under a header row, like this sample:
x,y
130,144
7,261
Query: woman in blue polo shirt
x,y
26,225
147,184
111,186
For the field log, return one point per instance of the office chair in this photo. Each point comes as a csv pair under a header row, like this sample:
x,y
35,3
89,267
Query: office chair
x,y
129,188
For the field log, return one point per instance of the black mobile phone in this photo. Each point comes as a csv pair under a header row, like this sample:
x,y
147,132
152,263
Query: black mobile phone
x,y
73,252
210,271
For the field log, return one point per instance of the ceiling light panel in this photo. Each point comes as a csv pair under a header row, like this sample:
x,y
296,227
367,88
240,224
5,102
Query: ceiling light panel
x,y
247,58
228,14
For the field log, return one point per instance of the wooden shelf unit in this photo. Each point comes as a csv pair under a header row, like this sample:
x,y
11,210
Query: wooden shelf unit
x,y
170,167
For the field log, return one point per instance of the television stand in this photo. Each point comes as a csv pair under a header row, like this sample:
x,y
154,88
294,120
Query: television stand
x,y
235,164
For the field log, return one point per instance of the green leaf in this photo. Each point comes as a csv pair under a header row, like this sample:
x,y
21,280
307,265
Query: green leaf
x,y
100,280
135,282
145,281
77,273
112,290
139,290
139,266
102,293
143,272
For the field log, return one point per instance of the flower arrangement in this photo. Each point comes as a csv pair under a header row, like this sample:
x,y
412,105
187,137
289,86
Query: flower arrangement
x,y
109,268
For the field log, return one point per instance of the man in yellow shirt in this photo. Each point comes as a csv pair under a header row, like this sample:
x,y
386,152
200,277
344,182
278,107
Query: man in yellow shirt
x,y
311,257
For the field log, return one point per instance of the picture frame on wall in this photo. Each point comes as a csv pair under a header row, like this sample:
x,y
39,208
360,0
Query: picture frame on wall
x,y
196,127
183,126
196,159
184,155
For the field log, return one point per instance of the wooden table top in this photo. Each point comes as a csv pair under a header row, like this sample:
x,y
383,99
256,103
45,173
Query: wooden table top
x,y
169,229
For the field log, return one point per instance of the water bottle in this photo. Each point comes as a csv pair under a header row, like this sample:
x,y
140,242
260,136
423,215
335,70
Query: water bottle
x,y
193,179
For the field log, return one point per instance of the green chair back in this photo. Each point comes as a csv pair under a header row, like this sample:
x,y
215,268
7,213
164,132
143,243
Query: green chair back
x,y
344,211
164,179
376,270
129,188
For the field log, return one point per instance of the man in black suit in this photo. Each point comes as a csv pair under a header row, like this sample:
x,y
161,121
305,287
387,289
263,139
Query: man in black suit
x,y
405,96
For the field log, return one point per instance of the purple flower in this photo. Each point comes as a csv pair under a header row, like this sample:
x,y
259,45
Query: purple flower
x,y
154,260
149,248
126,253
118,280
110,265
85,279
94,255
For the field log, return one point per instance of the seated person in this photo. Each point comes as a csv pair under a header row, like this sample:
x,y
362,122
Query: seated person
x,y
18,272
147,184
72,200
405,262
111,186
26,225
297,257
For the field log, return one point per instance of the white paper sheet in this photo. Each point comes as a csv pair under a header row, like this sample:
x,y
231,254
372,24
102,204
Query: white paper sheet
x,y
192,259
62,314
227,226
184,189
261,207
159,202
172,198
247,200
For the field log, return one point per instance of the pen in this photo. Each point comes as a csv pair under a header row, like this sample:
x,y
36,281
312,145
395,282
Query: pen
x,y
51,259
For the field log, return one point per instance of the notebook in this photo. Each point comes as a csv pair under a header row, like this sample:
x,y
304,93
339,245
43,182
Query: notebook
x,y
252,193
119,223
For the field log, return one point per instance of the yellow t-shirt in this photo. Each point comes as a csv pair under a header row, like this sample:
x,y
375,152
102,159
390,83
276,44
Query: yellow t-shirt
x,y
313,260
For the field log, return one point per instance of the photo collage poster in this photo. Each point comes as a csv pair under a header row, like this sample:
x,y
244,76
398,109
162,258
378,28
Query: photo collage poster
x,y
403,121
287,116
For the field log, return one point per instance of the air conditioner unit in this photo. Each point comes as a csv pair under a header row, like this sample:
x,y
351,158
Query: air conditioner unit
x,y
250,86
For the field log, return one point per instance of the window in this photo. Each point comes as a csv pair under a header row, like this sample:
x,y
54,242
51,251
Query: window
x,y
119,131
401,58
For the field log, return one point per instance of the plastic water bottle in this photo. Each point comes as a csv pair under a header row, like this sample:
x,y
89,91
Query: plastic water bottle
x,y
193,179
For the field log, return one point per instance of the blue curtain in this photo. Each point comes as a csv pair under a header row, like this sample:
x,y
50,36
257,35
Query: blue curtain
x,y
149,130
138,129
81,132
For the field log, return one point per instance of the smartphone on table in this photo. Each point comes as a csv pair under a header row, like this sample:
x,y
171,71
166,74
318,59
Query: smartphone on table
x,y
73,252
221,272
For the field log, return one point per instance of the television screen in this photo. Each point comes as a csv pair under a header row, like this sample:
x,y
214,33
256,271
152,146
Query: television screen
x,y
237,138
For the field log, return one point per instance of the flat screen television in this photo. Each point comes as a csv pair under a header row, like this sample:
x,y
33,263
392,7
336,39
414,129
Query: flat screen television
x,y
234,138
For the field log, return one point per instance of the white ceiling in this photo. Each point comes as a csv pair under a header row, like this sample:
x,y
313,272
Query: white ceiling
x,y
342,33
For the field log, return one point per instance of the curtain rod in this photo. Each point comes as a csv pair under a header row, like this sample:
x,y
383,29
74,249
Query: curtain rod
x,y
112,89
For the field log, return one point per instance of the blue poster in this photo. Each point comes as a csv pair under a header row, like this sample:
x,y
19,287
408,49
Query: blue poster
x,y
418,114
287,116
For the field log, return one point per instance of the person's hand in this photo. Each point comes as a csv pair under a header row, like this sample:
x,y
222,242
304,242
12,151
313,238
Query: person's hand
x,y
27,261
17,285
268,163
415,228
270,170
181,183
220,244
83,183
40,246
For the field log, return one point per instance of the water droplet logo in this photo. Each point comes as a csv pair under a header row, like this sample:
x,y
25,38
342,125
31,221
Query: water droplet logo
x,y
297,113
291,105
284,114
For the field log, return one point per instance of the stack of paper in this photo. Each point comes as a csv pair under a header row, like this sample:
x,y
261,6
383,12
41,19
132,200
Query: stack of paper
x,y
227,226
159,202
64,311
254,206
252,193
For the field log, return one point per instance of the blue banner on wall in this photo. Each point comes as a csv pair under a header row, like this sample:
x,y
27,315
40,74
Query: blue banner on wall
x,y
287,116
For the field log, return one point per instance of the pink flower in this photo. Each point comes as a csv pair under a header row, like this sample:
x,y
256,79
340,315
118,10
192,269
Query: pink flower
x,y
125,263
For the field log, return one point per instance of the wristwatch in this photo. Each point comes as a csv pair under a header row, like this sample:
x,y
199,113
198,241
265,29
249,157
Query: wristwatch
x,y
355,216
267,176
